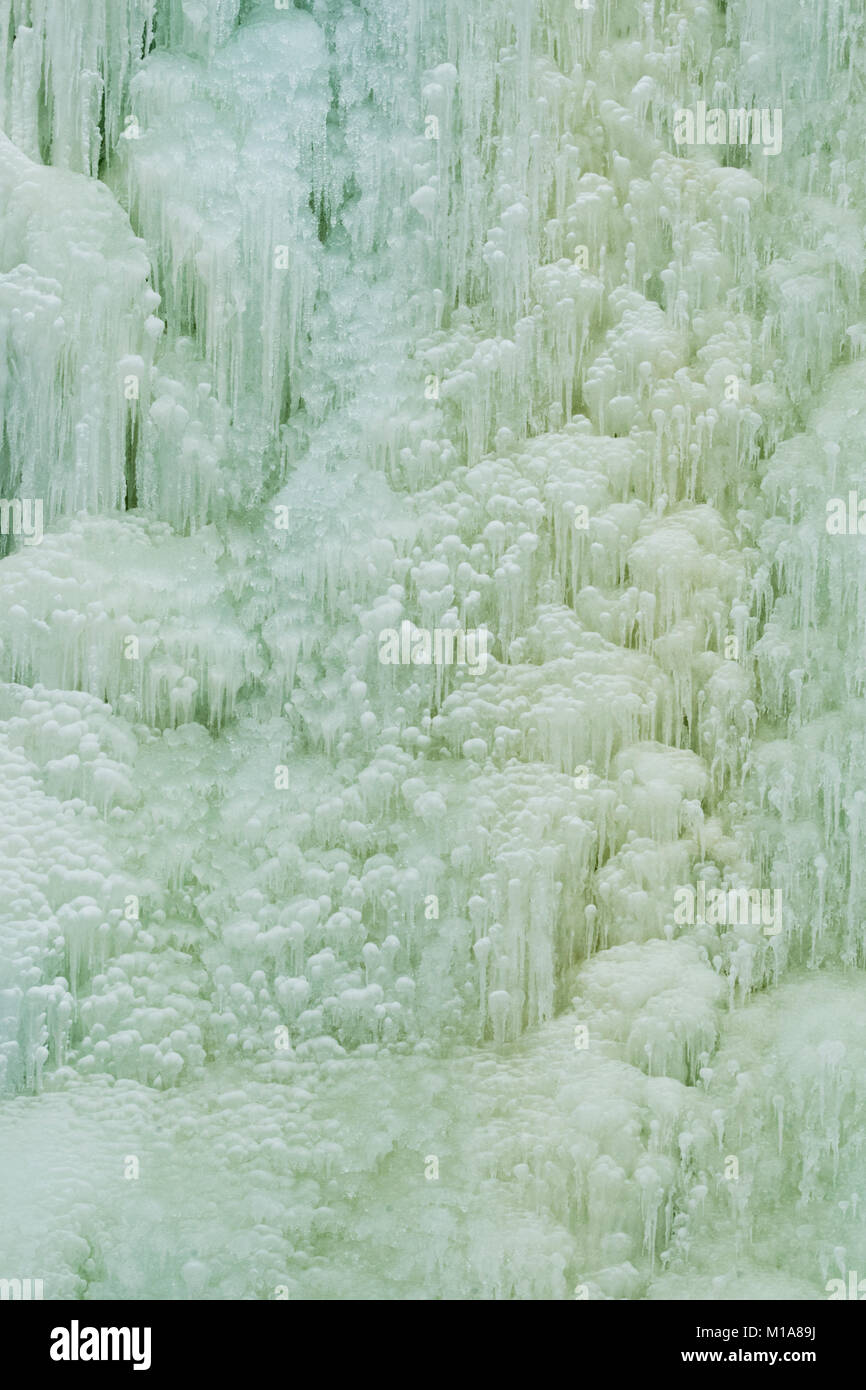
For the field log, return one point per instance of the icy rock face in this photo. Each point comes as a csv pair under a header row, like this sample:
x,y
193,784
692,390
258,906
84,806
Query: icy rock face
x,y
65,71
327,320
238,229
98,604
77,324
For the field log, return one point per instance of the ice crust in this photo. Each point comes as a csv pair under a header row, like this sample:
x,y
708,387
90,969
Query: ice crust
x,y
282,923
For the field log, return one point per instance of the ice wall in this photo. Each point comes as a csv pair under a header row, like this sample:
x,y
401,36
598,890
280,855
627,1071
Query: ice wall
x,y
65,71
381,314
77,326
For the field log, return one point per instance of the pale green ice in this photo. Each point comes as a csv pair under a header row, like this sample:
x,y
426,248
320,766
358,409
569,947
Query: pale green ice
x,y
329,977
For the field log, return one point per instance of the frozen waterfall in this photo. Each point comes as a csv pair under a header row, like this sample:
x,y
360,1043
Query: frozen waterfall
x,y
432,669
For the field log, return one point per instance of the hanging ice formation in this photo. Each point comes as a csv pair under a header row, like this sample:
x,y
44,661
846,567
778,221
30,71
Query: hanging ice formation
x,y
320,319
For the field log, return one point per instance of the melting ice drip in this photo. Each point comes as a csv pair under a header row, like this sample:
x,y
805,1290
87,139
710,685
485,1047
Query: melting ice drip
x,y
319,320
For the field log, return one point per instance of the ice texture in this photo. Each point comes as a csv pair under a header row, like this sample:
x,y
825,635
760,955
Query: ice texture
x,y
322,977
